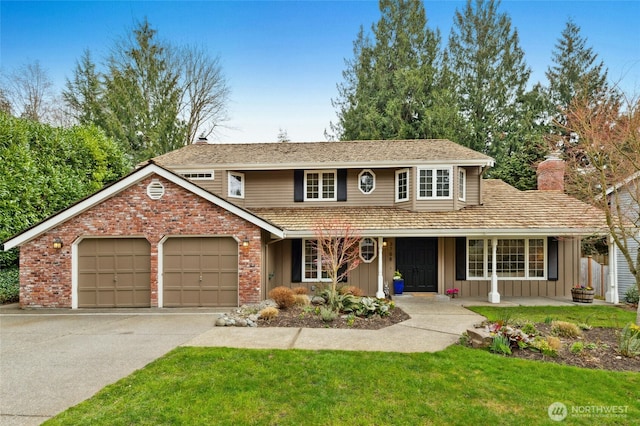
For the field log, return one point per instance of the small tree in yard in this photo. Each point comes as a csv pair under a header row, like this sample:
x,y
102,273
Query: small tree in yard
x,y
604,154
338,247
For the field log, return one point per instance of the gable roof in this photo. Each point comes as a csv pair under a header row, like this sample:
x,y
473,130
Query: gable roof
x,y
124,183
506,211
290,155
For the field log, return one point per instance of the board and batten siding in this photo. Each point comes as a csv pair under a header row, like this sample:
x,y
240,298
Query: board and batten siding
x,y
568,275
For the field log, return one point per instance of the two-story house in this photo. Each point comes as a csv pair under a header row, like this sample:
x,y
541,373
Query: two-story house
x,y
222,224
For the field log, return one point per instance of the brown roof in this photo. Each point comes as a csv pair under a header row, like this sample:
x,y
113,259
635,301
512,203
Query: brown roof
x,y
323,154
506,211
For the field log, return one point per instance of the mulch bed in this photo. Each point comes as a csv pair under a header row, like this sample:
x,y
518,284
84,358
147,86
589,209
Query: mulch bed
x,y
298,317
604,356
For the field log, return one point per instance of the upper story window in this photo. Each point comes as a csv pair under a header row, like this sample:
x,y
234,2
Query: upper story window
x,y
198,174
434,183
462,184
368,248
402,185
236,185
366,181
320,185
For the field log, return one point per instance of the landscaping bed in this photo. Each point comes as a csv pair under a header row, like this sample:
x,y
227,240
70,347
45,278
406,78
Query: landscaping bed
x,y
587,337
310,317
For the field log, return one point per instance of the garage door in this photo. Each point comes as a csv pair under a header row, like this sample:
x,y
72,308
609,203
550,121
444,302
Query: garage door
x,y
200,272
114,273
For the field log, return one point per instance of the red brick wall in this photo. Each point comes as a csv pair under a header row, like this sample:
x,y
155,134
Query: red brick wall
x,y
45,273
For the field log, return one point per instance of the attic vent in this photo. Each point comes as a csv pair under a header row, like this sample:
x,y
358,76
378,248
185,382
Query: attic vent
x,y
155,190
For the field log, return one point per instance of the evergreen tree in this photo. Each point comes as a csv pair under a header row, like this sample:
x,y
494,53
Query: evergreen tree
x,y
575,71
83,94
390,88
489,76
142,96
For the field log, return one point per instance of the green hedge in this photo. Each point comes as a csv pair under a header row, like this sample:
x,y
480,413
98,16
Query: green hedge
x,y
9,285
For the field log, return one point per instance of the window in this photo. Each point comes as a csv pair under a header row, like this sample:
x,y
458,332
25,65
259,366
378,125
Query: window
x,y
368,248
516,258
402,185
320,186
198,174
366,181
434,183
236,185
312,270
462,184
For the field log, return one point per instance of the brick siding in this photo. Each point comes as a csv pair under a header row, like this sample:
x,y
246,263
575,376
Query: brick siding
x,y
45,273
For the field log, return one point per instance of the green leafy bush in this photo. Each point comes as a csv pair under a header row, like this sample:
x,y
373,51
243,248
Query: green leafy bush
x,y
327,314
577,347
9,285
631,295
629,340
500,345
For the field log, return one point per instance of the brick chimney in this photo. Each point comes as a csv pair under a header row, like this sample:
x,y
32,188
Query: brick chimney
x,y
551,174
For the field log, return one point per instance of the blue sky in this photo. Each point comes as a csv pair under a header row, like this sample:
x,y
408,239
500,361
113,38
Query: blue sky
x,y
283,59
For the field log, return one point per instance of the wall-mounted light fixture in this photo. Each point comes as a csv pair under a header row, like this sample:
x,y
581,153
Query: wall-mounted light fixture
x,y
57,243
384,244
245,242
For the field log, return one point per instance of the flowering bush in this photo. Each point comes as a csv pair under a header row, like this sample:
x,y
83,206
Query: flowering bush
x,y
451,291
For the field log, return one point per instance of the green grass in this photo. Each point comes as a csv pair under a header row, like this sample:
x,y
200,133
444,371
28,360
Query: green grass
x,y
596,316
458,386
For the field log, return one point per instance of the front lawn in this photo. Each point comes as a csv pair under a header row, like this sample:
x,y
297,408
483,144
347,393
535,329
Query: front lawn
x,y
457,386
595,316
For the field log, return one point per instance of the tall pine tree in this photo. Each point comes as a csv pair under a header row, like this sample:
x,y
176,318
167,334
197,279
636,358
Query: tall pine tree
x,y
489,76
391,88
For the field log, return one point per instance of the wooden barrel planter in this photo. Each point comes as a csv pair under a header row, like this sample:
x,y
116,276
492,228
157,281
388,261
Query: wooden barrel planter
x,y
582,295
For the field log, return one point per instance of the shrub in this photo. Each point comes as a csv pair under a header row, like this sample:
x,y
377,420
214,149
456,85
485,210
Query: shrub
x,y
283,296
300,290
554,343
565,329
269,313
500,345
545,347
577,347
530,329
302,300
327,314
631,295
629,340
9,285
351,289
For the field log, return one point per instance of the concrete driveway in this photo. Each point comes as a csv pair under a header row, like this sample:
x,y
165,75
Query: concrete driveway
x,y
51,360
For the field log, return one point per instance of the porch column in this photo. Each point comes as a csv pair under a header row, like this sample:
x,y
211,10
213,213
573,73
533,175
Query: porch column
x,y
494,296
611,295
380,292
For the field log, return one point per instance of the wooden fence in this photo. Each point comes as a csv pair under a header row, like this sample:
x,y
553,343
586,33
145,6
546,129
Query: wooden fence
x,y
594,274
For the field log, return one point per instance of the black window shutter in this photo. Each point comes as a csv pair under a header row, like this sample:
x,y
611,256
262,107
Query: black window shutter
x,y
552,259
298,186
461,258
296,260
342,184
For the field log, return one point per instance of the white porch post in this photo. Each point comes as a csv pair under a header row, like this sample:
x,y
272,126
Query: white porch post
x,y
494,296
380,292
611,295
